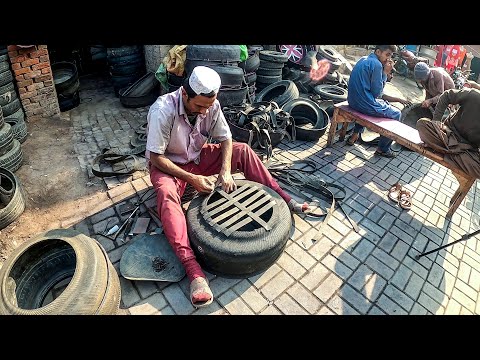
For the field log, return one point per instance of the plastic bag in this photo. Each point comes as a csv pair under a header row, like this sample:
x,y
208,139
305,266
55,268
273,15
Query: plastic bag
x,y
175,59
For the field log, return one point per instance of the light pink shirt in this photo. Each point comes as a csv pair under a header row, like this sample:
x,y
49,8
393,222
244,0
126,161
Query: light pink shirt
x,y
170,133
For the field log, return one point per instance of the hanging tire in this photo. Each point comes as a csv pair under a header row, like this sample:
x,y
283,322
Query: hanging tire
x,y
12,197
250,249
34,269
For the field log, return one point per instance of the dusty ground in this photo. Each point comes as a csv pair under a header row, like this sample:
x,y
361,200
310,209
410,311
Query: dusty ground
x,y
52,179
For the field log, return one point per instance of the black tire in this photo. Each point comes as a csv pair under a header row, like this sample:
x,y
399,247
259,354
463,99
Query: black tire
x,y
267,80
271,65
9,95
141,100
126,60
16,204
123,51
251,64
230,75
37,265
5,77
411,114
222,53
251,78
12,159
65,75
175,79
122,70
281,92
70,102
230,97
19,128
331,92
191,64
328,53
4,65
269,72
246,252
11,107
273,56
306,111
6,137
3,57
68,92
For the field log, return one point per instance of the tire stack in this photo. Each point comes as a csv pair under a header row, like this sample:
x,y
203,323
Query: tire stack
x,y
224,59
9,100
126,65
11,155
250,67
67,84
12,197
270,69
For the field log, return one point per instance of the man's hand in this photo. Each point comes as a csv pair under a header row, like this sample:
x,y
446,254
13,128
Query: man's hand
x,y
226,180
203,184
426,103
405,102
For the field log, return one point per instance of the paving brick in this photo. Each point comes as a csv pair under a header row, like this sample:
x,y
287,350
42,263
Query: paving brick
x,y
399,297
261,279
328,287
219,285
399,250
301,256
288,306
390,307
234,304
401,277
453,308
360,277
418,309
363,249
251,296
379,267
428,303
340,307
375,310
321,248
149,305
414,286
166,311
146,288
129,293
212,309
337,267
177,300
345,257
304,298
385,258
474,280
277,285
314,276
287,263
355,298
466,289
271,310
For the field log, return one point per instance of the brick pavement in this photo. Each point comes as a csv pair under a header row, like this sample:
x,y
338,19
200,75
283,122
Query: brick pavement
x,y
373,272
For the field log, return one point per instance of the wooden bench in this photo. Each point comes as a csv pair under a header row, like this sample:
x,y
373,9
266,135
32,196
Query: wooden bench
x,y
405,136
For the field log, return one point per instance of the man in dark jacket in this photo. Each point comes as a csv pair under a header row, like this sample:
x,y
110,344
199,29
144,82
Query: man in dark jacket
x,y
458,136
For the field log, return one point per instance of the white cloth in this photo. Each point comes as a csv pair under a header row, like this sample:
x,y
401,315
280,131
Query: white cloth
x,y
204,80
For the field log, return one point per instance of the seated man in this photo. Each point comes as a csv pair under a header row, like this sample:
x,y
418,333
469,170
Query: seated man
x,y
179,124
435,81
365,93
458,137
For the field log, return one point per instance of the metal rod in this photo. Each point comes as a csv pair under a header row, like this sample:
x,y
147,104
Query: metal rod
x,y
464,237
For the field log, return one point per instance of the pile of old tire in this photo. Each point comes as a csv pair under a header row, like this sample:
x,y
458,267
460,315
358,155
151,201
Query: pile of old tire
x,y
250,66
249,249
331,55
270,69
281,92
126,65
67,84
142,92
12,197
224,59
9,99
310,120
331,92
11,155
36,268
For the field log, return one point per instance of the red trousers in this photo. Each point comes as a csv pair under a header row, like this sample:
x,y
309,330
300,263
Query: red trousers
x,y
170,189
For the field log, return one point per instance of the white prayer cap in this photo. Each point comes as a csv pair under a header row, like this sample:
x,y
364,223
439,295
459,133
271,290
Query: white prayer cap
x,y
204,80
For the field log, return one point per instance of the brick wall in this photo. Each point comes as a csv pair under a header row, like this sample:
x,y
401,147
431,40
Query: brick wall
x,y
33,74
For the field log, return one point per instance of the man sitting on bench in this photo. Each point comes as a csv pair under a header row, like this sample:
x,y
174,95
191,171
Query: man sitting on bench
x,y
365,93
458,136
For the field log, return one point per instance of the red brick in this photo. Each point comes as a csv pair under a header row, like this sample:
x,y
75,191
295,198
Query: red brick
x,y
19,78
17,59
16,66
28,94
25,83
44,58
46,71
12,54
42,46
21,71
30,62
33,74
12,47
25,101
38,111
31,87
42,78
22,90
38,85
38,53
40,66
48,83
26,51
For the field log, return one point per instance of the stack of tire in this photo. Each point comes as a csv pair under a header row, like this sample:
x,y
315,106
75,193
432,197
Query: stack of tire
x,y
12,197
270,69
224,59
9,100
126,65
250,67
11,155
67,84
